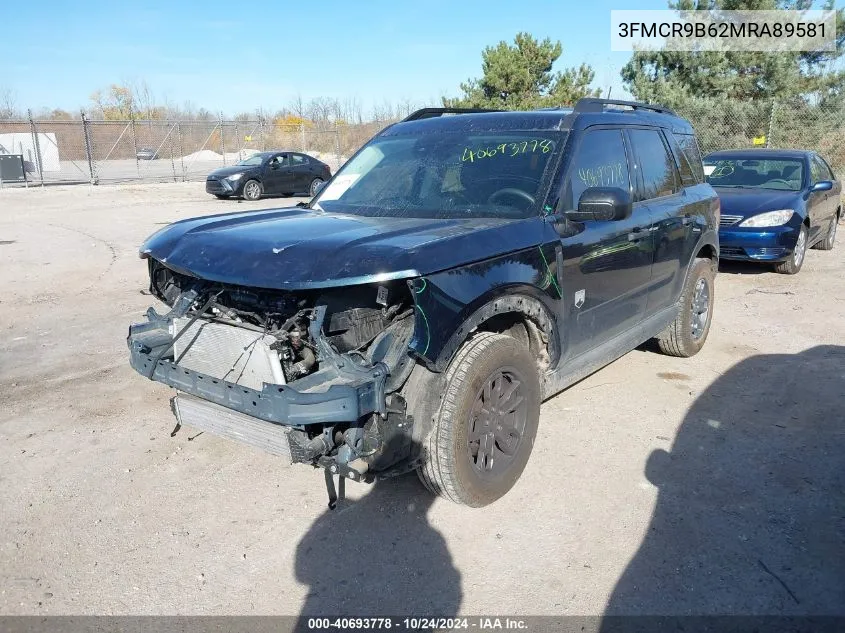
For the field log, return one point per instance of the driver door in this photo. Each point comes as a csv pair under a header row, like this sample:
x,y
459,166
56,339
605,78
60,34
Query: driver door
x,y
606,264
275,175
821,205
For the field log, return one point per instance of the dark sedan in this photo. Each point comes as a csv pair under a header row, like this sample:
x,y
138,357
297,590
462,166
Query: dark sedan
x,y
775,205
274,172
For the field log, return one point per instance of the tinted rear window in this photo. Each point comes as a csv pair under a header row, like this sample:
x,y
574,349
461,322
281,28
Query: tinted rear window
x,y
656,164
689,146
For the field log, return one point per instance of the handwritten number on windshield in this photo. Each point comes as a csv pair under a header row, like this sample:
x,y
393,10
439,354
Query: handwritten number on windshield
x,y
543,146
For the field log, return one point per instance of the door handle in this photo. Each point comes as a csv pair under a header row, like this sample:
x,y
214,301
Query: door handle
x,y
638,233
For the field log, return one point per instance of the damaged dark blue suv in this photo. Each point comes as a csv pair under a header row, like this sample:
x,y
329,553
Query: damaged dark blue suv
x,y
461,268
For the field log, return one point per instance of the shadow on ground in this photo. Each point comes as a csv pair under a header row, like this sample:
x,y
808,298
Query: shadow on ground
x,y
750,517
745,268
378,555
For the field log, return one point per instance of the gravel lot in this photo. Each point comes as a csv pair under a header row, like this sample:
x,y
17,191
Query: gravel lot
x,y
658,485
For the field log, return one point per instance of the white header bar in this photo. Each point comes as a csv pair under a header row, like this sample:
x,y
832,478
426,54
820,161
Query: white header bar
x,y
768,31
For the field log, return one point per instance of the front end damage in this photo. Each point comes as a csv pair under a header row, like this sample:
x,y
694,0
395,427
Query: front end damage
x,y
313,376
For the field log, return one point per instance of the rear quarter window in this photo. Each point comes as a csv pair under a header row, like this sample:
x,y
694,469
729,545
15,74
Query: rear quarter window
x,y
689,147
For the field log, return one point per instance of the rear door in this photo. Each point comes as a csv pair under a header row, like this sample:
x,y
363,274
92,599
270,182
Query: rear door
x,y
607,264
302,173
679,212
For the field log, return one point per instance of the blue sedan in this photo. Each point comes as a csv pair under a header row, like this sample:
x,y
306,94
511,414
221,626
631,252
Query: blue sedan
x,y
775,205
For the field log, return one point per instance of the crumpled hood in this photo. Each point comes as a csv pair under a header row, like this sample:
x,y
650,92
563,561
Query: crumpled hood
x,y
748,202
297,248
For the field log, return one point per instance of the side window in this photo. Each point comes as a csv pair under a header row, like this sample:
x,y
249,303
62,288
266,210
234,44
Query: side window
x,y
689,146
682,162
657,166
817,170
298,160
824,169
600,161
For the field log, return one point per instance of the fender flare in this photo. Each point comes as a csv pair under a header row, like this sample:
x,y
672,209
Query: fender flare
x,y
518,303
711,239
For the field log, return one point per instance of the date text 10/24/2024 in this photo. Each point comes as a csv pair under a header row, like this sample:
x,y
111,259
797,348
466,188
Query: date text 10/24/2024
x,y
479,623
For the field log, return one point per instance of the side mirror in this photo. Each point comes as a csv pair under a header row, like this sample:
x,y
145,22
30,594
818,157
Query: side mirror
x,y
822,185
320,187
602,204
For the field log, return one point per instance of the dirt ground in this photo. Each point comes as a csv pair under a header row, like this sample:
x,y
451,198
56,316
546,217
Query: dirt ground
x,y
658,485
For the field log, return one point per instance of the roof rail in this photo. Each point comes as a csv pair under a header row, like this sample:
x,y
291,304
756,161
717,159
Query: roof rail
x,y
430,113
594,104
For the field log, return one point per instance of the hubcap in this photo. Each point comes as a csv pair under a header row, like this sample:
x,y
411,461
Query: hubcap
x,y
800,247
252,190
317,182
700,308
497,423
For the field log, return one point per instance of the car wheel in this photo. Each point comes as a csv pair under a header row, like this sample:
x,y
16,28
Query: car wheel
x,y
792,265
828,242
314,184
252,190
485,428
686,335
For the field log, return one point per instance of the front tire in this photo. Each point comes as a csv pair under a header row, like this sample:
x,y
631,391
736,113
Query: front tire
x,y
686,335
252,190
485,428
793,265
829,242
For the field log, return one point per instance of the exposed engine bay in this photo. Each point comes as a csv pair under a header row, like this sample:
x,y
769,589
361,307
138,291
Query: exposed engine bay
x,y
280,321
312,375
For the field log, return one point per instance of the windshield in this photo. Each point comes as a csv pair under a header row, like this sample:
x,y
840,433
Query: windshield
x,y
445,175
771,173
253,161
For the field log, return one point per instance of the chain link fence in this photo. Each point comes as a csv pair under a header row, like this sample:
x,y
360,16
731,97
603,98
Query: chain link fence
x,y
86,151
722,124
100,152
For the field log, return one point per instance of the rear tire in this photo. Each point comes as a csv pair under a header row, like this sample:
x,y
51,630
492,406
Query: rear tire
x,y
792,266
252,190
485,428
829,241
312,190
686,335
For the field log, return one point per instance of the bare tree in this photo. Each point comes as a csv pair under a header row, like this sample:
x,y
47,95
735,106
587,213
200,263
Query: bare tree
x,y
297,108
8,106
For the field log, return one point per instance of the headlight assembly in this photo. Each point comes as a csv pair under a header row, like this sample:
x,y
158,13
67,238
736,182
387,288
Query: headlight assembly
x,y
770,218
235,177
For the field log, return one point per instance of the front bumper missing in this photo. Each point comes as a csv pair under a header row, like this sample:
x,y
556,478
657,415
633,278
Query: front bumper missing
x,y
340,391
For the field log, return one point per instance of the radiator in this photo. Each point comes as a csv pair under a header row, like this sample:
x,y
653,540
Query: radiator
x,y
227,352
